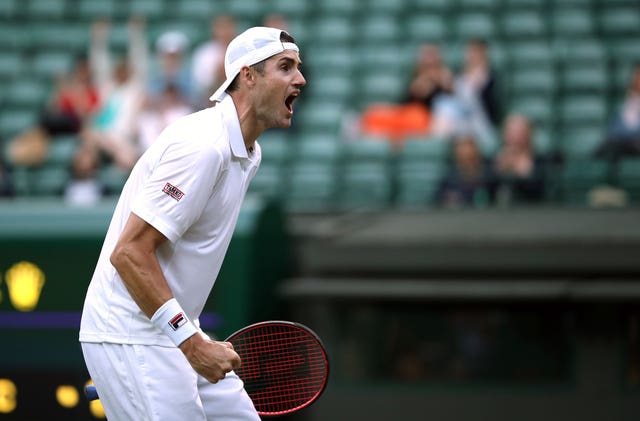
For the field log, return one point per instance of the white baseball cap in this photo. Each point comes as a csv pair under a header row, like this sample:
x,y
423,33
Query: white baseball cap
x,y
250,47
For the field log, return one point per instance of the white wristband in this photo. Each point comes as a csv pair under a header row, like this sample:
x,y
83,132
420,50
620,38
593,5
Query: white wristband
x,y
173,321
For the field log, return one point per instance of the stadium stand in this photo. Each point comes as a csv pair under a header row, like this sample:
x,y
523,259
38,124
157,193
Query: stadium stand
x,y
565,65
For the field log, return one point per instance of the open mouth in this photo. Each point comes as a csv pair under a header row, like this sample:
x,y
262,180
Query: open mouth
x,y
288,102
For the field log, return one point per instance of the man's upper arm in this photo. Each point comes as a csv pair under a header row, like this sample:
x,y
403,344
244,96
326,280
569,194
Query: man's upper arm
x,y
176,192
139,232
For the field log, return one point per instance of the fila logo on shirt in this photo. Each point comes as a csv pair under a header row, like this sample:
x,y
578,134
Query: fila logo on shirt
x,y
177,321
173,191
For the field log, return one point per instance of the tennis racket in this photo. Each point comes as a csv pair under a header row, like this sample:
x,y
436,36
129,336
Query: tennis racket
x,y
284,366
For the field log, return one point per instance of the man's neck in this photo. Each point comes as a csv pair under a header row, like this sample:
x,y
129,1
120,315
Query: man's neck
x,y
249,124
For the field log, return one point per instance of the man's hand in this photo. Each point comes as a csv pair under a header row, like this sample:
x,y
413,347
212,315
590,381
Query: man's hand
x,y
211,359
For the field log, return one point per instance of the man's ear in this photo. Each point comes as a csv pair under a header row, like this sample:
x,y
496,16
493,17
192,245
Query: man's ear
x,y
248,75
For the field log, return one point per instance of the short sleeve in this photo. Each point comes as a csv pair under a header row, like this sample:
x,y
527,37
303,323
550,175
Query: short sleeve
x,y
178,188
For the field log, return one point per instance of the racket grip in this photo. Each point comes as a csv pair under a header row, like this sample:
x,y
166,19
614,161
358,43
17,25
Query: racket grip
x,y
92,393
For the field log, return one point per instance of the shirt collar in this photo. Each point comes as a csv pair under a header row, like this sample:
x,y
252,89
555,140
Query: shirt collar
x,y
231,121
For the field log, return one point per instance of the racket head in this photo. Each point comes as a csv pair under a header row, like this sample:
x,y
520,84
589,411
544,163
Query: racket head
x,y
284,365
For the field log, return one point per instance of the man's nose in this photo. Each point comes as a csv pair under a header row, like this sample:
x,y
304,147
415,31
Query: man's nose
x,y
300,80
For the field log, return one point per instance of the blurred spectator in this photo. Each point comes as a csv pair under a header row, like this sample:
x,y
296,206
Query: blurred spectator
x,y
476,91
431,77
276,20
172,68
84,189
468,182
208,59
73,102
518,172
123,91
477,85
623,135
158,114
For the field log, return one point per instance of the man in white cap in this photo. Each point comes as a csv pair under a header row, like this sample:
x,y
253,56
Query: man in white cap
x,y
166,242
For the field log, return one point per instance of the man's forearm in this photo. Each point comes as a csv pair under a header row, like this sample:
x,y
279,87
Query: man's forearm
x,y
143,277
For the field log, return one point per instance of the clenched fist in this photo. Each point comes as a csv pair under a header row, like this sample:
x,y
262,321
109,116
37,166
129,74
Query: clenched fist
x,y
211,359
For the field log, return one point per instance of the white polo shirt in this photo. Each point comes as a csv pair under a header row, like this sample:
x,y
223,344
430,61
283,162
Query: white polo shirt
x,y
189,185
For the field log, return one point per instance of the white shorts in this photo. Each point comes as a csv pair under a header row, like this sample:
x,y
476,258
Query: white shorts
x,y
143,382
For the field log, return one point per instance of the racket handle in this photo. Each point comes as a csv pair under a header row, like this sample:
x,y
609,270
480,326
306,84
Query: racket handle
x,y
92,393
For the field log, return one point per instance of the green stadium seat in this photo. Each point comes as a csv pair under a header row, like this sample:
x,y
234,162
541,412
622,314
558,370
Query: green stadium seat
x,y
46,9
197,9
385,87
337,58
523,4
9,8
543,141
318,149
628,178
626,50
578,177
438,6
339,7
113,178
581,79
323,116
93,10
425,150
338,87
572,23
333,30
28,93
291,8
365,186
16,120
275,146
21,178
533,81
580,143
11,64
63,36
475,25
49,181
539,109
386,6
418,184
14,36
586,51
453,55
311,188
484,5
248,9
523,25
379,28
49,65
268,181
43,181
583,110
530,54
62,150
385,57
369,151
622,77
426,27
620,21
150,9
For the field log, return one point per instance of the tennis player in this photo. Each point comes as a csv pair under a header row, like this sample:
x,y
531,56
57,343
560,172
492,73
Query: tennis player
x,y
166,242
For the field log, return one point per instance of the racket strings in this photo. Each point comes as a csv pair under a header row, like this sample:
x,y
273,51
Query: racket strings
x,y
283,368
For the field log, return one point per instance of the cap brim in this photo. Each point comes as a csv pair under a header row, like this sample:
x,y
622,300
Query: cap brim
x,y
220,93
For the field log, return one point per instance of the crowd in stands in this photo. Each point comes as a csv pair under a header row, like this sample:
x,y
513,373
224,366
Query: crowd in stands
x,y
117,106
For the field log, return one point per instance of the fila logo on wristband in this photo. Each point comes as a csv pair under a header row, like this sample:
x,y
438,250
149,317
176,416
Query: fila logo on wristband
x,y
177,321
